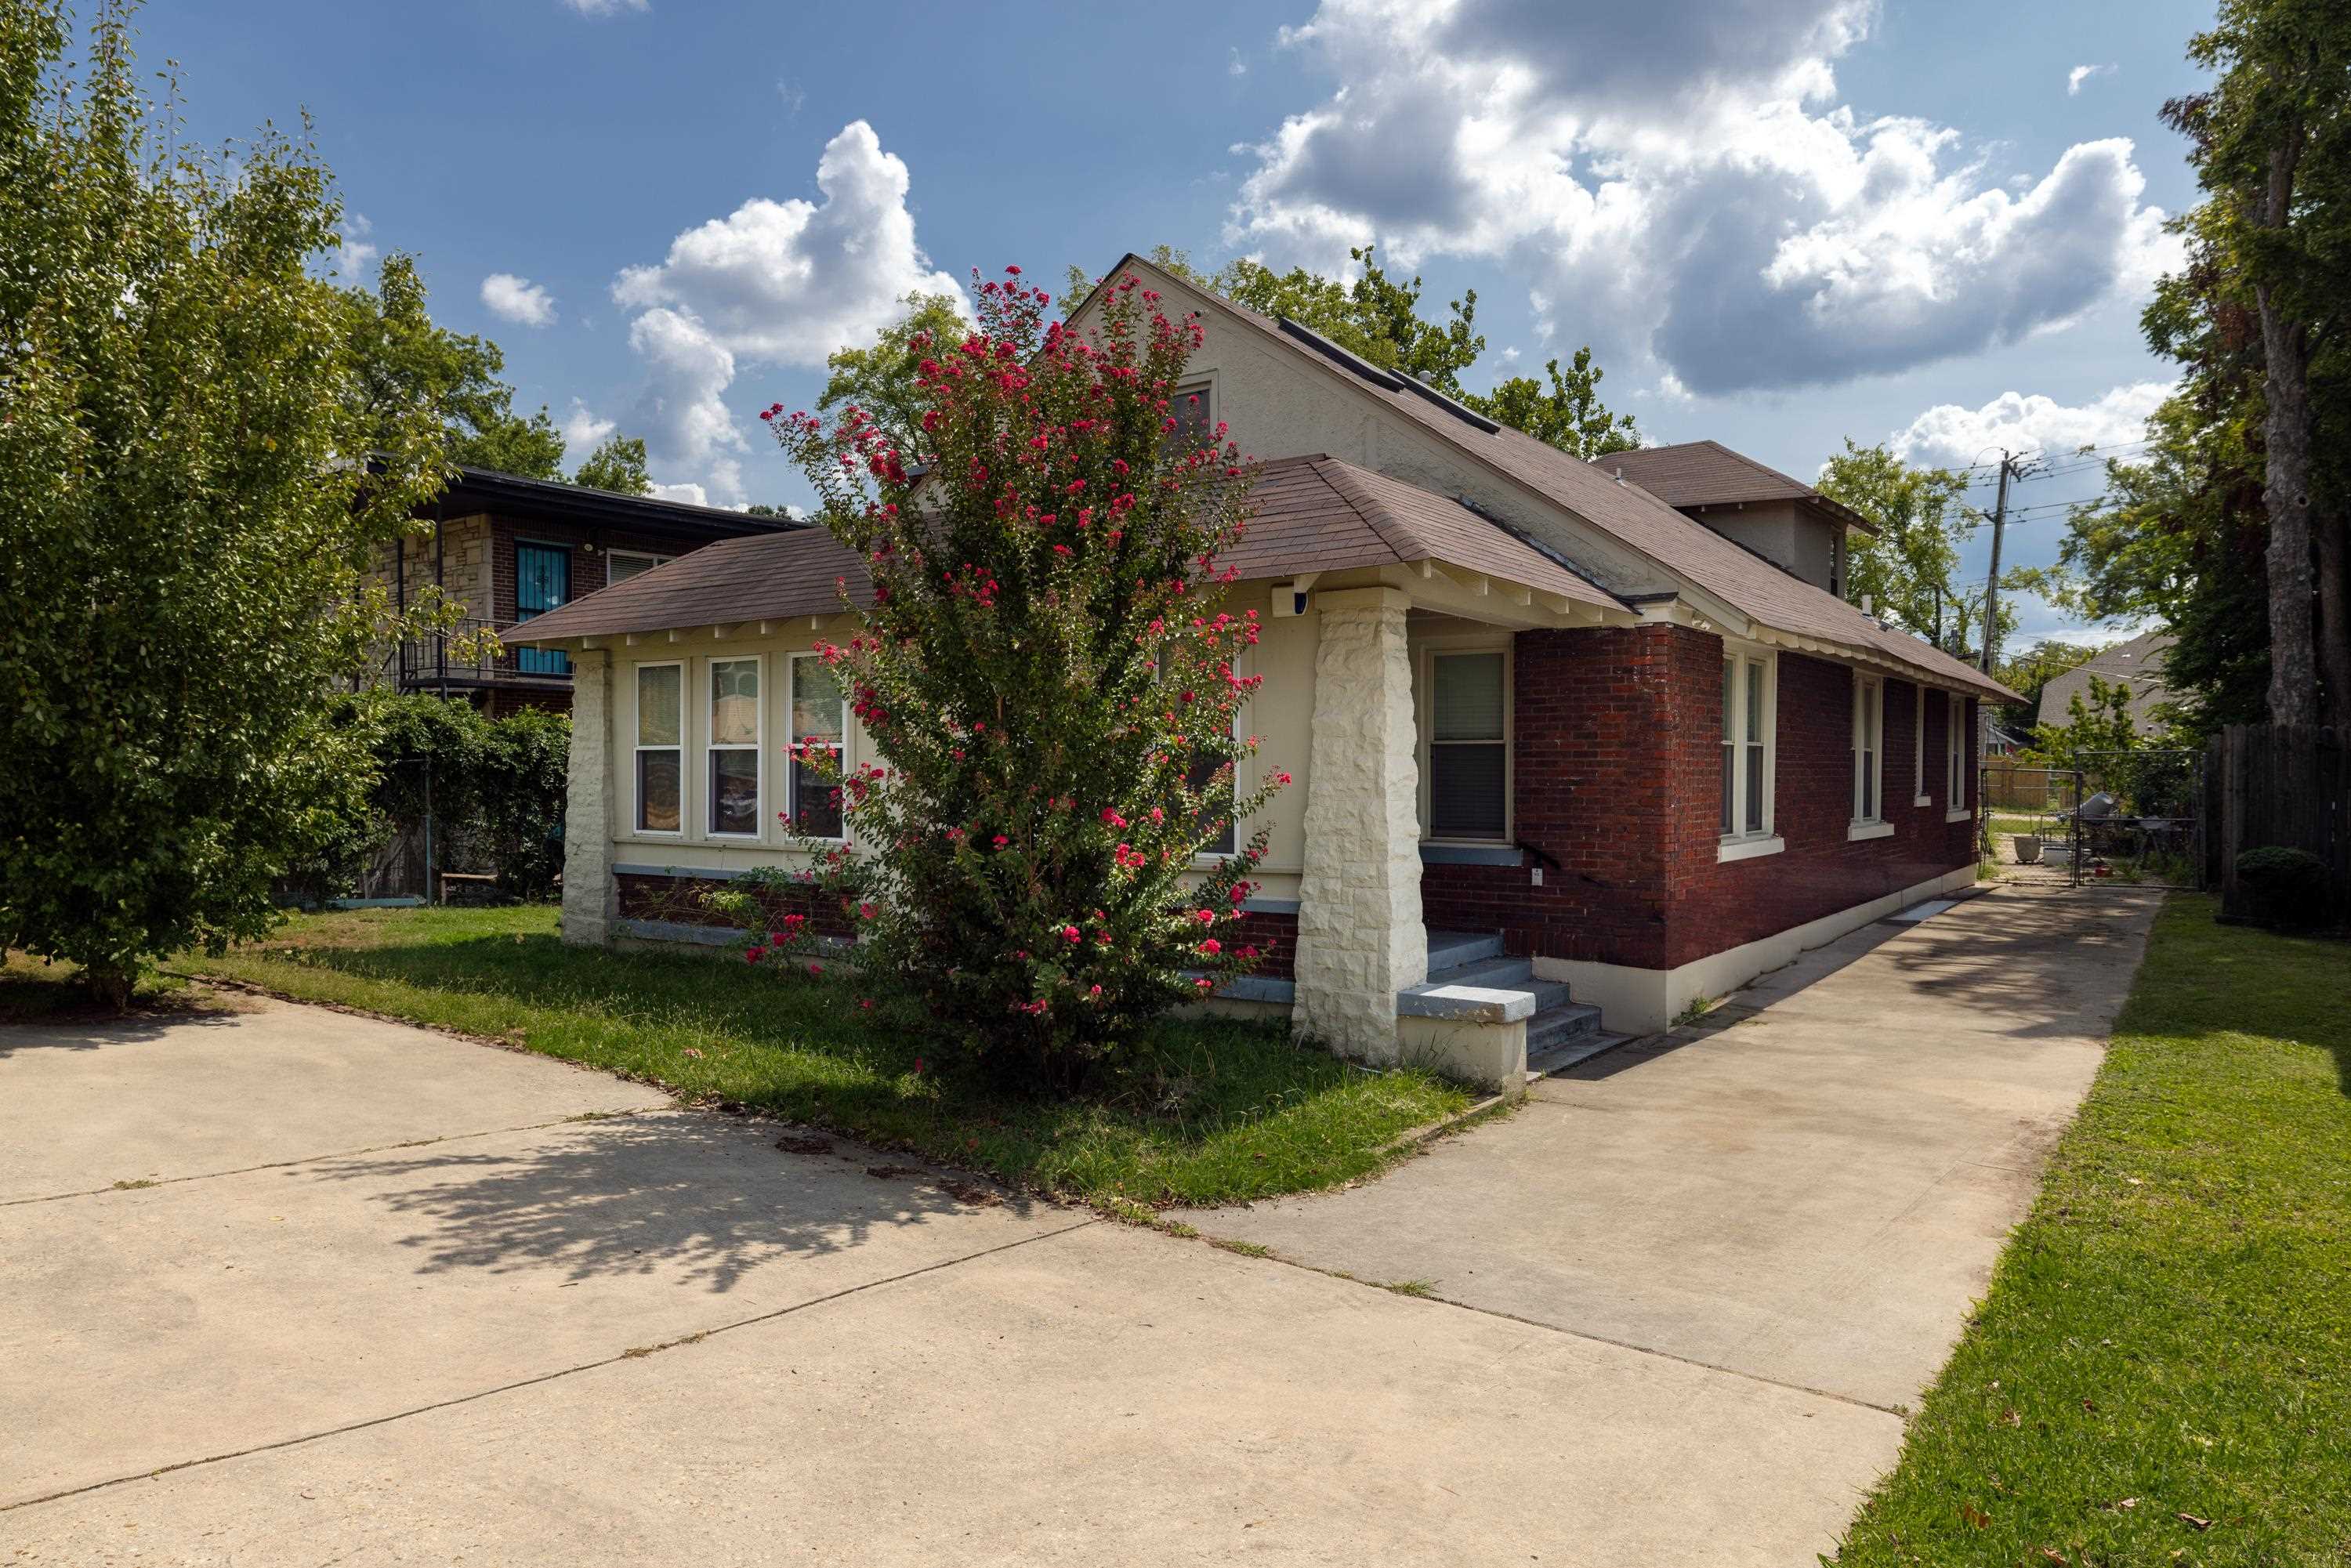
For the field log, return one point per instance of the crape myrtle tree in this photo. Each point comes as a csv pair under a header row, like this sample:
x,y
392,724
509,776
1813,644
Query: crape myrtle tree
x,y
1049,679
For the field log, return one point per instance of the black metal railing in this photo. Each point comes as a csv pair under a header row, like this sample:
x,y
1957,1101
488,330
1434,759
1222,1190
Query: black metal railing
x,y
479,652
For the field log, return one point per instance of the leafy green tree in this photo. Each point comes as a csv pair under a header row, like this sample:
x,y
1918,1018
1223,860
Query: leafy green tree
x,y
1909,570
1567,415
2270,142
183,522
1047,675
402,359
618,465
2028,672
880,380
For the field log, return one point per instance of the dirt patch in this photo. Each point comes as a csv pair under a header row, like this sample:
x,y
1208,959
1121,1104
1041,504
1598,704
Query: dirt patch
x,y
888,1173
804,1143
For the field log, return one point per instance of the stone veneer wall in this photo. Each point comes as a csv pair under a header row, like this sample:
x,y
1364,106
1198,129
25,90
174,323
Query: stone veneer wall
x,y
589,898
1360,936
1617,775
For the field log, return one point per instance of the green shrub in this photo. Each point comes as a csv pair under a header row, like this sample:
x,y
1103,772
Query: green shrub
x,y
2289,886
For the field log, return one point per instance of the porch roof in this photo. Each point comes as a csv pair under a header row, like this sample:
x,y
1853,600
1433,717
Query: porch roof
x,y
1315,515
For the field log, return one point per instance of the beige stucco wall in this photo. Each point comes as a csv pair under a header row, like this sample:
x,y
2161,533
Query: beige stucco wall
x,y
1800,540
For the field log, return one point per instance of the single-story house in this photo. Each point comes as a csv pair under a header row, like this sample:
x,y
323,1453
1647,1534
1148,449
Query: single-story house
x,y
1555,739
508,549
2136,665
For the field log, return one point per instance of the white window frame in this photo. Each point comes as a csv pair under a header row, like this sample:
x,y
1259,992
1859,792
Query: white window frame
x,y
1205,389
1954,756
648,557
1869,701
1922,796
636,763
1742,843
1424,718
756,746
1209,860
791,739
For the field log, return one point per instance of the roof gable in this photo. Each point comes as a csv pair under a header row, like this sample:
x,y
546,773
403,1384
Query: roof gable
x,y
1725,574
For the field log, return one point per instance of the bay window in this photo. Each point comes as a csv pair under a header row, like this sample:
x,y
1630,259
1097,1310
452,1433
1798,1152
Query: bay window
x,y
660,751
818,723
1468,746
733,748
1749,722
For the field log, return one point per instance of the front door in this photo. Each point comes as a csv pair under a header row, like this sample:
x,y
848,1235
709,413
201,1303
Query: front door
x,y
542,581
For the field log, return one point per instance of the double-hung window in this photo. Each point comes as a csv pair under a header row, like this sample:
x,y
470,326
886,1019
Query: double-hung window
x,y
1919,747
1748,721
819,726
1189,409
621,565
1868,756
661,754
735,748
1468,746
1955,748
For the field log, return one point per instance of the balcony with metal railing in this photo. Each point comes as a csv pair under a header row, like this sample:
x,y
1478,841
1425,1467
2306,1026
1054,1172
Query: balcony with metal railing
x,y
475,652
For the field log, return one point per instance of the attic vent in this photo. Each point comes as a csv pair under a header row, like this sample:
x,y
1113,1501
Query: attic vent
x,y
1458,409
1331,351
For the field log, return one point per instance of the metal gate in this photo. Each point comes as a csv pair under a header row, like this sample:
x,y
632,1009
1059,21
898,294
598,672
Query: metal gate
x,y
2115,819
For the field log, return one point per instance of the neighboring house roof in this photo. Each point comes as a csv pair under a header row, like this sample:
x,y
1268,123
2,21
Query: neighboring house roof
x,y
512,496
1708,474
1731,573
1313,514
2137,664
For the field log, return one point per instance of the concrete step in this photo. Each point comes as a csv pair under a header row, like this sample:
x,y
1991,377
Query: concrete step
x,y
1560,1025
1560,1057
1508,975
1454,950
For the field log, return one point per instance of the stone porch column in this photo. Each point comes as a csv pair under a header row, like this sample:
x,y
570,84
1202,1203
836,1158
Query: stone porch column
x,y
1360,938
590,895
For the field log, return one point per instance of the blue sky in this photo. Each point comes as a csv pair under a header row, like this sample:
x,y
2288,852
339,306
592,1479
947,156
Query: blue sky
x,y
1780,221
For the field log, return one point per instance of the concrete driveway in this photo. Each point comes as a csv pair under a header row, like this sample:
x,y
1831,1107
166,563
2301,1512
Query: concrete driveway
x,y
1808,1188
281,1285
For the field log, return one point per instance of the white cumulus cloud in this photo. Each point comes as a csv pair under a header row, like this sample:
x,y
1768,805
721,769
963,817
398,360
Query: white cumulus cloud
x,y
2034,425
518,299
352,256
606,7
1676,182
791,281
2080,74
774,282
583,432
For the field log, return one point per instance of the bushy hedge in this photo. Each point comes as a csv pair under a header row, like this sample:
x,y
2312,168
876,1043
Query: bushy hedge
x,y
494,787
2288,886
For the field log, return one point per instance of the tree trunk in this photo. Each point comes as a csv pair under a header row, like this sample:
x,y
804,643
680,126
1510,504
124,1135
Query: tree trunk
x,y
110,987
2285,491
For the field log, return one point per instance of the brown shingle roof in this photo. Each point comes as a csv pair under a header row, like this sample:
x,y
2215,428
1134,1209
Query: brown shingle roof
x,y
1700,557
1702,474
2137,664
1314,514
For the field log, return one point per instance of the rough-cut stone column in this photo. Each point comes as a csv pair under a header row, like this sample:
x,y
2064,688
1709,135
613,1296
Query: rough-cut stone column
x,y
591,896
1360,938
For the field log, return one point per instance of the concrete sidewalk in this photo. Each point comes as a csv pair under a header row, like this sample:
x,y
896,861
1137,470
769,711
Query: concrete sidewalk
x,y
398,1297
1809,1187
404,1298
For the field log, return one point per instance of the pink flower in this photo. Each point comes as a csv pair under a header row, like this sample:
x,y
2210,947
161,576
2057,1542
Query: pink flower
x,y
1206,916
867,911
1110,815
1158,815
1093,991
752,954
1281,778
815,968
1071,933
1205,983
1211,947
865,1004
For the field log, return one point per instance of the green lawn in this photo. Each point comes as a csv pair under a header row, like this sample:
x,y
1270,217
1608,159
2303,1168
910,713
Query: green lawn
x,y
1221,1111
2162,1370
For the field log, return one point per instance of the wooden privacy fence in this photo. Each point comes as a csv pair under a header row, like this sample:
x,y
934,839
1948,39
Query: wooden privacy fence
x,y
2288,785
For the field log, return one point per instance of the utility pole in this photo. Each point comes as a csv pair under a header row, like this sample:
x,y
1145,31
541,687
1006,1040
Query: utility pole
x,y
1991,582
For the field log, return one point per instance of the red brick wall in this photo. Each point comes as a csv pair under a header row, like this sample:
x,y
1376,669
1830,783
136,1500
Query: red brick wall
x,y
1276,938
1617,772
678,899
587,566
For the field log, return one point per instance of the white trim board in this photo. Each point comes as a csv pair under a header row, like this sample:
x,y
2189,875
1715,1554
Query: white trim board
x,y
1643,1001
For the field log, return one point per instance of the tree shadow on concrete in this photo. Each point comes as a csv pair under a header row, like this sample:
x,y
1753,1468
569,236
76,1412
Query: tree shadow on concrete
x,y
98,1028
711,1196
